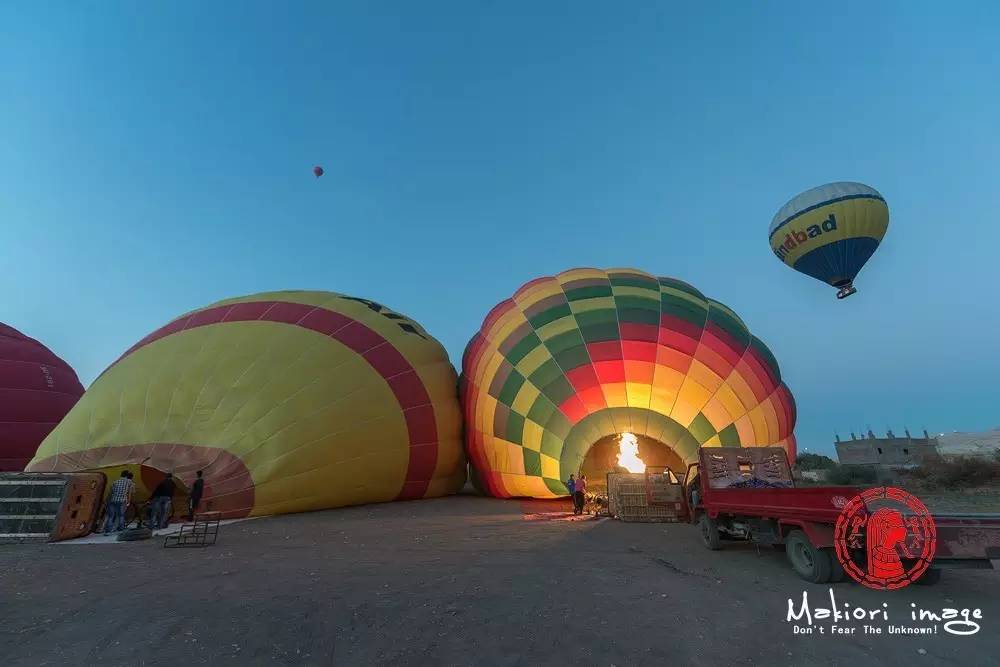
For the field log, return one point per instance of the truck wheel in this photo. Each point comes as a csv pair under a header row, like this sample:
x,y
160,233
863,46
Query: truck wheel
x,y
709,532
931,576
811,563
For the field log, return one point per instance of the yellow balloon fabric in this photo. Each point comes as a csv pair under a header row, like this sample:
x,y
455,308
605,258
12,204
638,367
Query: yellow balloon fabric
x,y
288,401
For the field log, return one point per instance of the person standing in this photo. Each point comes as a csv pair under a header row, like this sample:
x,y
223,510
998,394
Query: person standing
x,y
197,490
579,494
571,487
118,499
161,506
131,503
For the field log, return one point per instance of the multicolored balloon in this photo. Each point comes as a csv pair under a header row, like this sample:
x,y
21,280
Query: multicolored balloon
x,y
37,389
572,359
830,232
288,401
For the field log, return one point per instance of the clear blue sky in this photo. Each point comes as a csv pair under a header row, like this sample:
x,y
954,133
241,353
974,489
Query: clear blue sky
x,y
156,156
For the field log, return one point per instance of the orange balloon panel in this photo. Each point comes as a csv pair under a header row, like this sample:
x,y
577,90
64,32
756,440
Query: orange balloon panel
x,y
288,401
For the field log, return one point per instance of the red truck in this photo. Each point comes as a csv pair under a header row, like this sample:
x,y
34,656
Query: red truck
x,y
749,494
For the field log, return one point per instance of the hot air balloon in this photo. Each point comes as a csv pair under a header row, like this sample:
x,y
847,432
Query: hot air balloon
x,y
573,362
37,389
829,232
288,401
317,171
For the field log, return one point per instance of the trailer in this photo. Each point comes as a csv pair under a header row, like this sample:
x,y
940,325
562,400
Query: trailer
x,y
749,494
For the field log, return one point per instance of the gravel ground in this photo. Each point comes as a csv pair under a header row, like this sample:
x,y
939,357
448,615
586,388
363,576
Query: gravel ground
x,y
455,581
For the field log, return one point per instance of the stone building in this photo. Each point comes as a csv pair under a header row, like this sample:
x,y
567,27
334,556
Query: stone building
x,y
890,451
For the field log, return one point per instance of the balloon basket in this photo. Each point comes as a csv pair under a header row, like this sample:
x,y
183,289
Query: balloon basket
x,y
845,292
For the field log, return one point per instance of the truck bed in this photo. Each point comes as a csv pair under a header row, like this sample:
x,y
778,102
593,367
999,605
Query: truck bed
x,y
815,503
967,537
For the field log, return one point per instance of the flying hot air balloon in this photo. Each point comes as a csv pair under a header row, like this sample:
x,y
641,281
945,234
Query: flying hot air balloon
x,y
317,171
829,232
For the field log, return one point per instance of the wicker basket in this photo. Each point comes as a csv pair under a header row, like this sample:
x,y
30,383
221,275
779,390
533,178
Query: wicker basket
x,y
641,497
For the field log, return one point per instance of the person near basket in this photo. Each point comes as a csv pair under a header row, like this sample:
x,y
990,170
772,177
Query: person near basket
x,y
579,494
131,504
118,499
161,506
571,487
197,490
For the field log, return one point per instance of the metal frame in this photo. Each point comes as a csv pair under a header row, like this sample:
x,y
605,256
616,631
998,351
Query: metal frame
x,y
203,532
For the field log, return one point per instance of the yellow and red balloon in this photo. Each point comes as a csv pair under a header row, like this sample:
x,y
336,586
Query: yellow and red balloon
x,y
288,401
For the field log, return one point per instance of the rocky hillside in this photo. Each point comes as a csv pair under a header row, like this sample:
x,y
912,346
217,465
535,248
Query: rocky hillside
x,y
984,443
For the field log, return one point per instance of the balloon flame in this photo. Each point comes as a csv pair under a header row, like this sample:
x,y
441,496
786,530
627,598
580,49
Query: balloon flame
x,y
628,454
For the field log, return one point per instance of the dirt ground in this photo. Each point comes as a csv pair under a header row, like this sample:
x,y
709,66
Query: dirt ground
x,y
455,581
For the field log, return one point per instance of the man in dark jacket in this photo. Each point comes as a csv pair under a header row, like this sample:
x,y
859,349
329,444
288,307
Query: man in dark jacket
x,y
195,498
161,506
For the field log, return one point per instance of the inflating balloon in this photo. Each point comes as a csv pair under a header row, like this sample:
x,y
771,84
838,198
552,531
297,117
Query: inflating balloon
x,y
288,401
830,232
37,389
317,171
574,359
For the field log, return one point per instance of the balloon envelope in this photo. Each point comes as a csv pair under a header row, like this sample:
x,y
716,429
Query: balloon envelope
x,y
318,171
288,401
572,360
37,389
829,232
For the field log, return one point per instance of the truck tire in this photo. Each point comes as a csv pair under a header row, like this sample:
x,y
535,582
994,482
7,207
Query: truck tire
x,y
709,532
812,564
931,576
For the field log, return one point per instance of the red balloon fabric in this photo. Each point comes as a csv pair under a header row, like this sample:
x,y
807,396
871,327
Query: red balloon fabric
x,y
37,389
318,171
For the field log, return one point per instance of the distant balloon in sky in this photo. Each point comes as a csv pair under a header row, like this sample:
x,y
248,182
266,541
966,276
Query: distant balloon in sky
x,y
318,171
829,232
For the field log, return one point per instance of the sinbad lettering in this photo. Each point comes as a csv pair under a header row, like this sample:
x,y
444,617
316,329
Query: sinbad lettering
x,y
797,237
